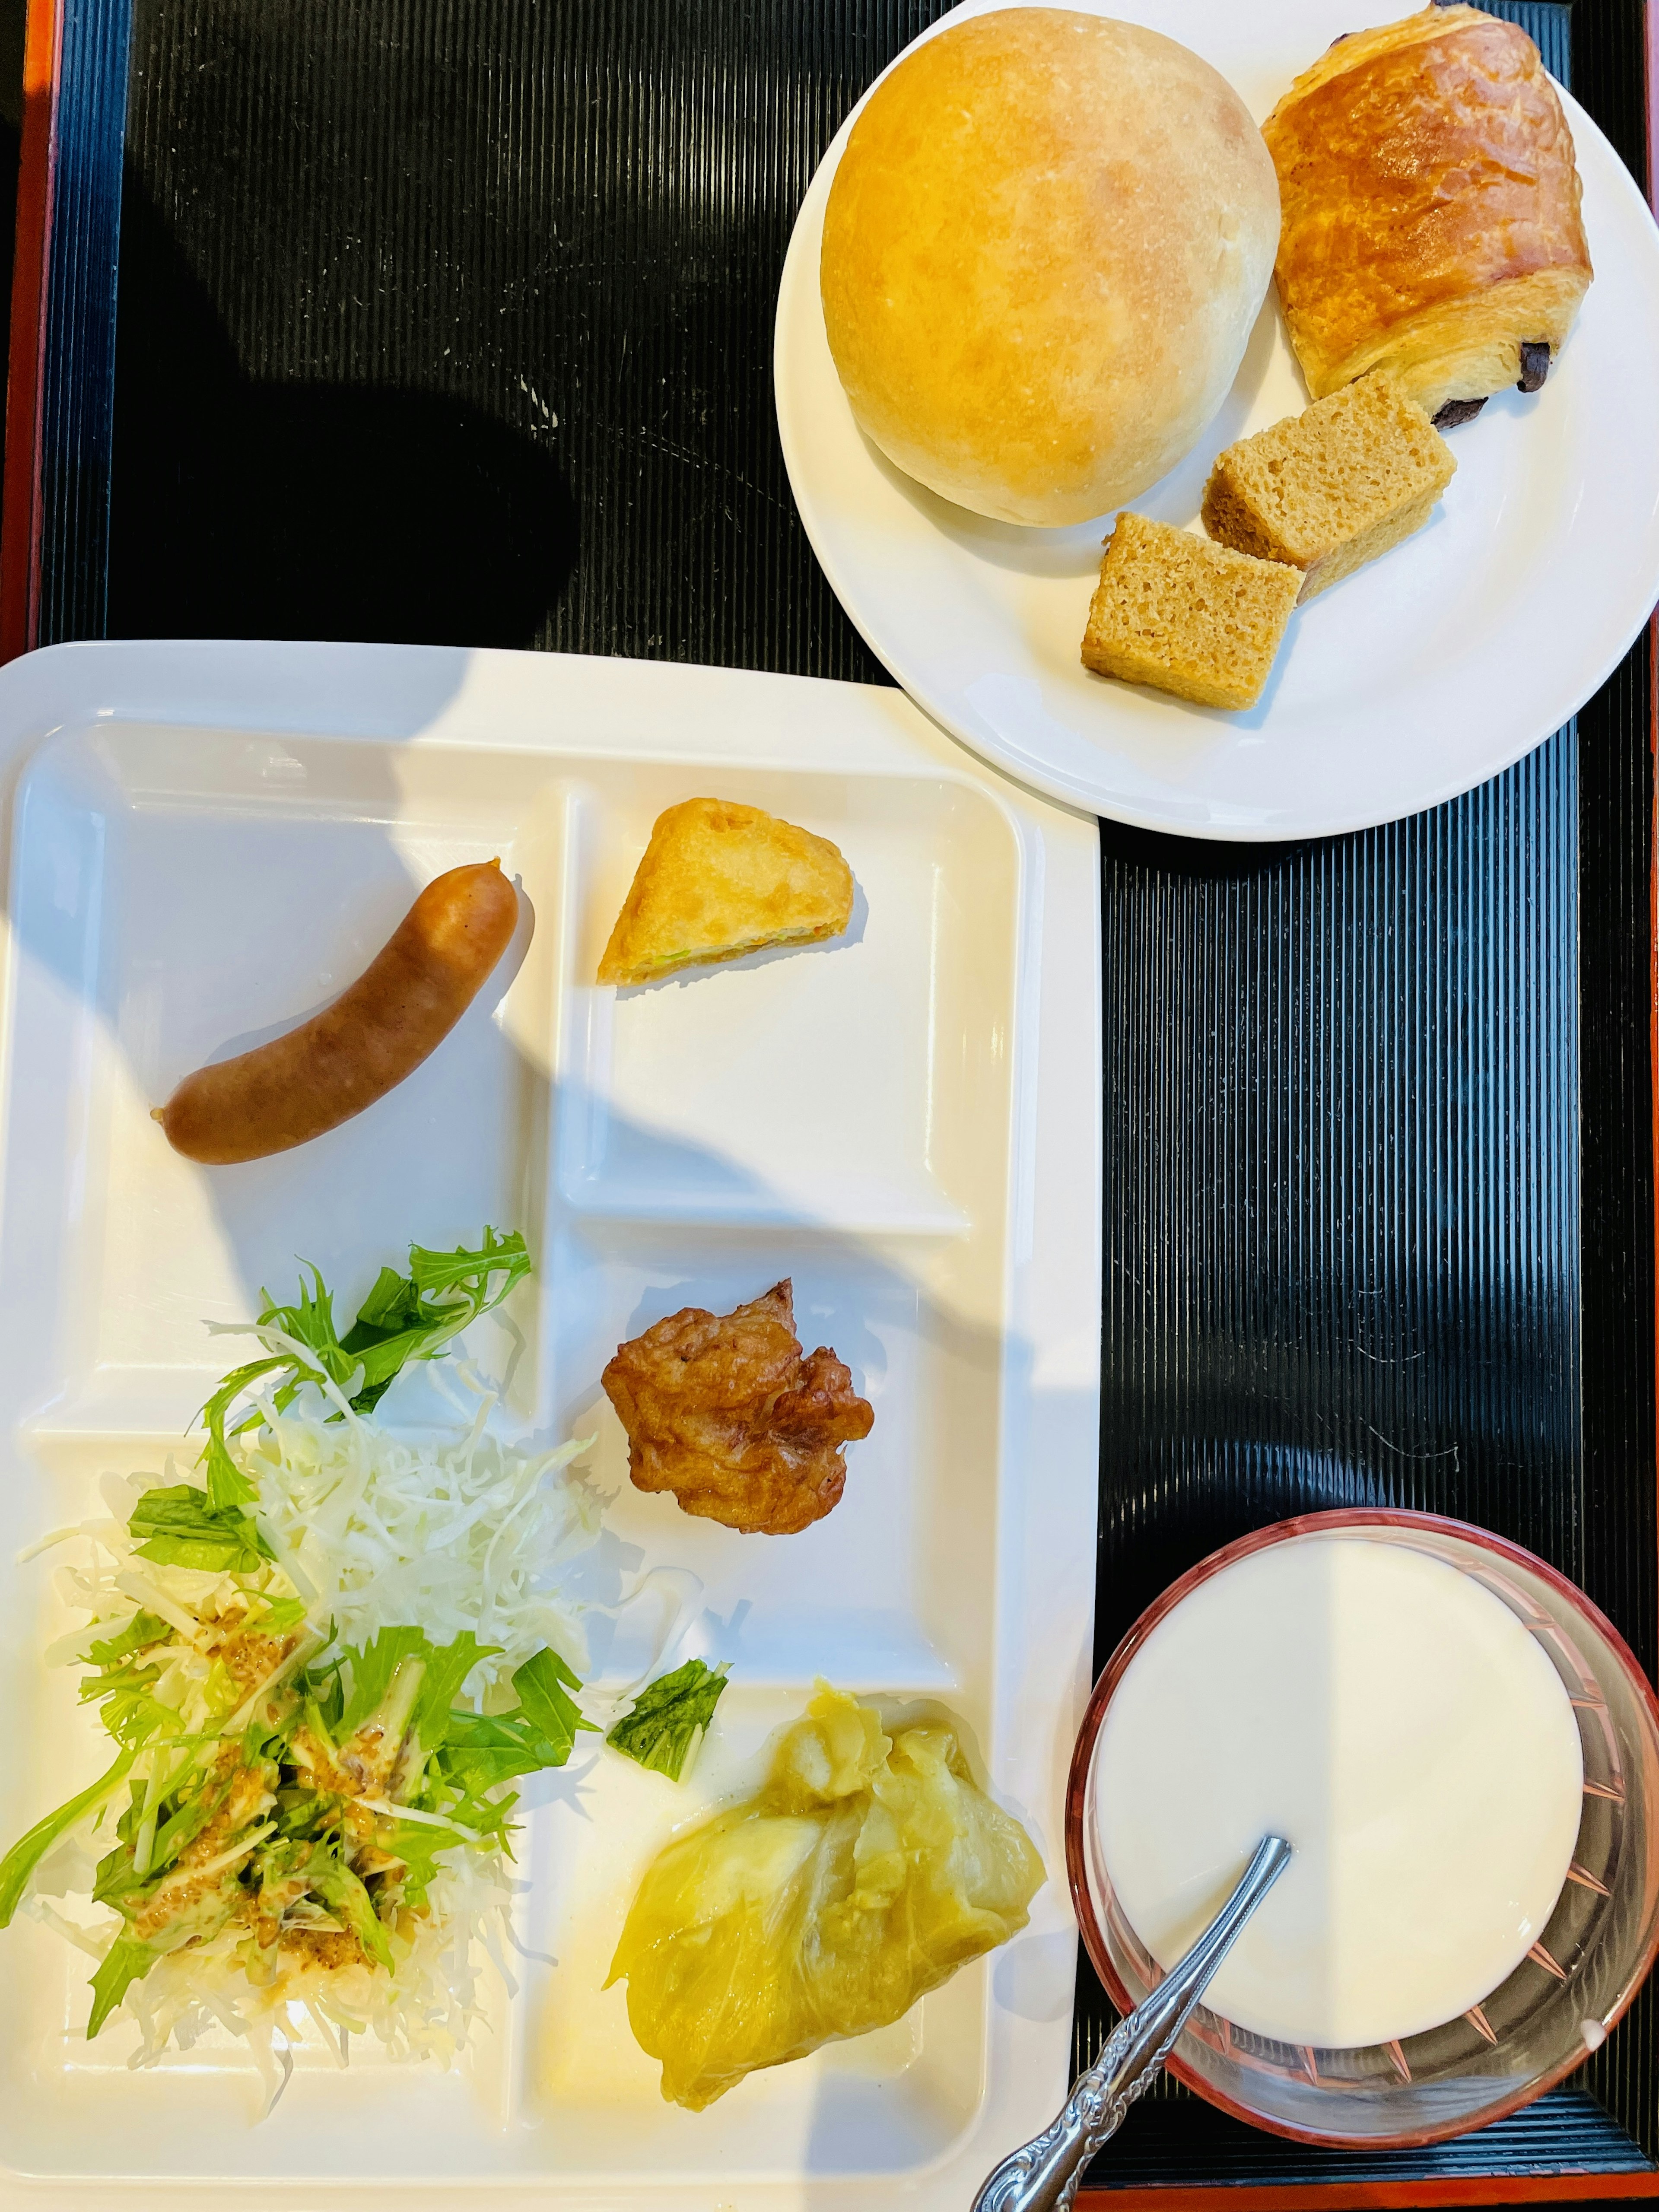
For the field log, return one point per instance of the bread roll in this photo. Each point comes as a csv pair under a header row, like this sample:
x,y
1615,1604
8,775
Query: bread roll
x,y
1431,211
1044,251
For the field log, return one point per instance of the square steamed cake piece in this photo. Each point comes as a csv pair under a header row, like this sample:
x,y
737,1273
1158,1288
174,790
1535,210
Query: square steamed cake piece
x,y
1175,612
1332,487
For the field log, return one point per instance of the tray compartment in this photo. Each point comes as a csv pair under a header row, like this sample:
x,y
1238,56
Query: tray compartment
x,y
801,1119
136,850
135,843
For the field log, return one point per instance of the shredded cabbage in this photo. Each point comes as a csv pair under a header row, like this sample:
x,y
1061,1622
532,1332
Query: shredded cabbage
x,y
426,2008
469,1533
373,1530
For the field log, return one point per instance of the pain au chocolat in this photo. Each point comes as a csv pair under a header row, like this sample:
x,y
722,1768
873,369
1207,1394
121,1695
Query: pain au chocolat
x,y
1431,224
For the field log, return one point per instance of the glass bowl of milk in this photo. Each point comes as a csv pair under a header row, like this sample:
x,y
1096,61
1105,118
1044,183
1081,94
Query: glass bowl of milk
x,y
1465,1757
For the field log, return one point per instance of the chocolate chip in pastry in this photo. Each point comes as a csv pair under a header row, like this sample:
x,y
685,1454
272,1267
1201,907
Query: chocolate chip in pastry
x,y
1535,364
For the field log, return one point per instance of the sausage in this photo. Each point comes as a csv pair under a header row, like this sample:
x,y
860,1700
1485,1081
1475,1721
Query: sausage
x,y
401,1006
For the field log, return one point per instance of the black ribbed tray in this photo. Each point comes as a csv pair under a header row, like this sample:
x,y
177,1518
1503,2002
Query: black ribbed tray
x,y
450,320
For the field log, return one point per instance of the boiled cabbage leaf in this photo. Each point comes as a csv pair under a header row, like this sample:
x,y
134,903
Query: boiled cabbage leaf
x,y
868,1870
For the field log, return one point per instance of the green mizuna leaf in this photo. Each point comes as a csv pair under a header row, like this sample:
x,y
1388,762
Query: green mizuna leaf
x,y
542,1684
193,1810
126,1961
346,1897
545,1676
447,1666
227,1487
404,1317
384,1713
418,1844
134,1719
481,1749
469,1273
27,1853
668,1718
478,1752
373,1667
183,1529
310,1321
280,1615
370,1667
418,1315
122,1681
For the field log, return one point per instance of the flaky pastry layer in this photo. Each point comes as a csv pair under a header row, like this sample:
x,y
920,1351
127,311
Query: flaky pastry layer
x,y
1431,207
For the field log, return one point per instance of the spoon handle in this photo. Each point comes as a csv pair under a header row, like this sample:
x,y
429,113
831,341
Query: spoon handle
x,y
1042,2175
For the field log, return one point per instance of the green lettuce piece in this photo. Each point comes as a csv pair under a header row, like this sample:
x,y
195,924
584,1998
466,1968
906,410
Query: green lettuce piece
x,y
143,1629
126,1961
27,1853
184,1529
668,1718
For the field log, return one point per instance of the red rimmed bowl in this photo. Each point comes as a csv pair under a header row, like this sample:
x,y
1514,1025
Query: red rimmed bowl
x,y
1555,2008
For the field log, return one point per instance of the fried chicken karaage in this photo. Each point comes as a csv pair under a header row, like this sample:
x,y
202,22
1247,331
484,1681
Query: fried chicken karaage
x,y
723,1411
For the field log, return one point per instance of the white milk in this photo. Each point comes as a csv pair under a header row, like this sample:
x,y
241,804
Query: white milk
x,y
1400,1727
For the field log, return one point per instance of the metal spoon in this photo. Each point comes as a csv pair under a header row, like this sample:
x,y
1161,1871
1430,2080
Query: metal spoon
x,y
1043,2176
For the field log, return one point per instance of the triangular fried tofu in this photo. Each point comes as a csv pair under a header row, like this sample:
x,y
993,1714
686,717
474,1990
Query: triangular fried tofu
x,y
719,880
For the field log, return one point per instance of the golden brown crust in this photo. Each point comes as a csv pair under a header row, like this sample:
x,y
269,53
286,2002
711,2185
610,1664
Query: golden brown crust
x,y
1044,249
723,1411
718,879
1431,208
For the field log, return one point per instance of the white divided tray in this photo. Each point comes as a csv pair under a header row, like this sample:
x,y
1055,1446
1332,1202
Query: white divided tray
x,y
207,844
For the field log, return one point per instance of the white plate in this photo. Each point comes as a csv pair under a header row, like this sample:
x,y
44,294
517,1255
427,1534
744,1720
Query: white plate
x,y
1420,677
206,842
